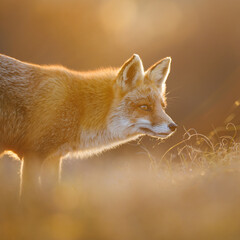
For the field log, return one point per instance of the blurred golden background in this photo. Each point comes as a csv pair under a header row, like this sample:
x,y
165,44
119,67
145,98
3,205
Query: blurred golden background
x,y
201,36
131,192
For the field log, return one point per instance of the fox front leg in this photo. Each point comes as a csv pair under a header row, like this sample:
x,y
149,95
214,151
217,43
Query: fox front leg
x,y
50,174
30,176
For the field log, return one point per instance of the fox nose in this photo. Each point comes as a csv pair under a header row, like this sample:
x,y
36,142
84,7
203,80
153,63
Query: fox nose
x,y
172,126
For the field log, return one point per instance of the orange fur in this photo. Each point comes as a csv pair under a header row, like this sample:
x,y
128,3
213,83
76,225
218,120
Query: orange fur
x,y
47,112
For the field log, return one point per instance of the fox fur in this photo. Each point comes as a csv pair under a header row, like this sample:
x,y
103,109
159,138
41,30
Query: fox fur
x,y
48,112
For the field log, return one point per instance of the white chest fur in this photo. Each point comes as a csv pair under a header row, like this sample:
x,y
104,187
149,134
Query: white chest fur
x,y
94,142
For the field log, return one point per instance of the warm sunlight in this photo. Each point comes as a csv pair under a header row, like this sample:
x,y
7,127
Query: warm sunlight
x,y
119,120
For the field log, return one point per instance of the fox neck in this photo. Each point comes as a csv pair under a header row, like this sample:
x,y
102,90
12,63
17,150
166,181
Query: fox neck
x,y
101,127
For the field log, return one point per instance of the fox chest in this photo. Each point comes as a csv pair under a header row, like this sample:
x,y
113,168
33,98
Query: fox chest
x,y
91,143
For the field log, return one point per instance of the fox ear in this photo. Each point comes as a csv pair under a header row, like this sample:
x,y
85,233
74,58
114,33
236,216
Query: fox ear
x,y
131,73
159,72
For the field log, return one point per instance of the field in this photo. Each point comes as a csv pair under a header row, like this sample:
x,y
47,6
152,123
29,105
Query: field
x,y
192,192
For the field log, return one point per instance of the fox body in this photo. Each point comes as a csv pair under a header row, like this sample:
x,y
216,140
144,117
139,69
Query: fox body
x,y
47,112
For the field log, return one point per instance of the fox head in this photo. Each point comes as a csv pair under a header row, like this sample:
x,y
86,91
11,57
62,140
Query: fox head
x,y
139,106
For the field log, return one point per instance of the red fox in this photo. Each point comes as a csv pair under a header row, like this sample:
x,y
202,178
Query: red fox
x,y
47,112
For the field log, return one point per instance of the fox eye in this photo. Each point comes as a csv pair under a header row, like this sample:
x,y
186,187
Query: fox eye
x,y
145,107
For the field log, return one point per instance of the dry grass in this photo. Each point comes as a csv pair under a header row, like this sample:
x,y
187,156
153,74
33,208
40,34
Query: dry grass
x,y
191,193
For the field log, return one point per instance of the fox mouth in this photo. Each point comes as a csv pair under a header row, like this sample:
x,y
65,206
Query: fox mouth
x,y
152,133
